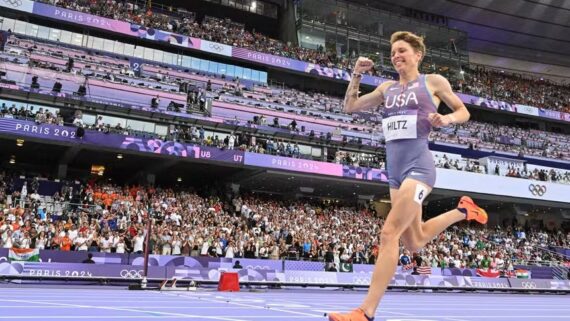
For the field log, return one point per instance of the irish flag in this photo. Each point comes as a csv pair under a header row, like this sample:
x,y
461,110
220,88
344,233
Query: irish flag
x,y
28,255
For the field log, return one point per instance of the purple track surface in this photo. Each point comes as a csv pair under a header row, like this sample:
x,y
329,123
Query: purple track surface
x,y
102,303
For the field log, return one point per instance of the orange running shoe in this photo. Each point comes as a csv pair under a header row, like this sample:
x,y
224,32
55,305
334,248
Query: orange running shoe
x,y
472,211
354,315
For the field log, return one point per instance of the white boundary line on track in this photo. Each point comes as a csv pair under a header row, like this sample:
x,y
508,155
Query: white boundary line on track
x,y
129,310
126,307
389,306
228,301
145,317
382,311
498,317
48,301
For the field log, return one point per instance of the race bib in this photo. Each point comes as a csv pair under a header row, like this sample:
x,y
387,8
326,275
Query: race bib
x,y
400,127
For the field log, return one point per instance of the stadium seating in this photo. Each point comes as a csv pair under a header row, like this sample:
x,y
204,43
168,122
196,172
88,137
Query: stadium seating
x,y
110,219
311,111
497,85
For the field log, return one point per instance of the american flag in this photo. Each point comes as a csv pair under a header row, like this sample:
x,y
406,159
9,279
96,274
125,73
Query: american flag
x,y
415,85
424,270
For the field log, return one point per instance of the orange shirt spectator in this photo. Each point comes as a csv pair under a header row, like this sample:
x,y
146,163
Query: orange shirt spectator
x,y
15,226
65,243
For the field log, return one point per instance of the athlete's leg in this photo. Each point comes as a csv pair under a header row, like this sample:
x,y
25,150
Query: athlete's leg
x,y
404,211
420,233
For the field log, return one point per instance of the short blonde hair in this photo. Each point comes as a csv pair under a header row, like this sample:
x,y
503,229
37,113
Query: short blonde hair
x,y
414,40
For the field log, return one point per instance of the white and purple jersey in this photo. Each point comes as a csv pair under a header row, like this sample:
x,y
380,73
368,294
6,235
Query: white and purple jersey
x,y
406,128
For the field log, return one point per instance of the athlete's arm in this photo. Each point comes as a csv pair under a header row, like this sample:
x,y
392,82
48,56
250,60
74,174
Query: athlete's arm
x,y
352,102
442,89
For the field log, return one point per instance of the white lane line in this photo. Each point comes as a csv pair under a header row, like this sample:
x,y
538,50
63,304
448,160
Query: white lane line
x,y
382,311
228,300
38,295
132,310
82,317
407,301
123,307
498,317
46,301
443,305
344,308
151,317
484,309
411,318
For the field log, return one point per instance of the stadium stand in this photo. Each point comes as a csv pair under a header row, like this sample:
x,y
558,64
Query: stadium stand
x,y
324,107
481,81
177,168
109,218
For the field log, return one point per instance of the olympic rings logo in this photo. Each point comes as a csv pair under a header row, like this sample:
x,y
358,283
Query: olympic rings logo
x,y
361,280
131,274
528,285
257,267
537,190
216,47
14,3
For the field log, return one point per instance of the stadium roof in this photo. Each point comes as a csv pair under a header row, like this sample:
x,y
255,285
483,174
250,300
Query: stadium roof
x,y
533,30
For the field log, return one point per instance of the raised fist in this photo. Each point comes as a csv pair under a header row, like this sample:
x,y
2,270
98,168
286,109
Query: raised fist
x,y
363,65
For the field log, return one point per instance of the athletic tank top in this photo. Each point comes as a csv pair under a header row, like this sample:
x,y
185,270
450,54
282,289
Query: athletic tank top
x,y
406,110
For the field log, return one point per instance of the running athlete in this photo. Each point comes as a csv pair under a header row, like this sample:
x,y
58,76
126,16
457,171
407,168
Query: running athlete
x,y
410,111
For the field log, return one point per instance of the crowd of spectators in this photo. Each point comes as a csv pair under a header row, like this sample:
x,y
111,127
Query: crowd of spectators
x,y
504,138
523,171
479,81
40,116
111,218
213,29
306,100
162,19
480,135
515,88
47,116
544,175
290,148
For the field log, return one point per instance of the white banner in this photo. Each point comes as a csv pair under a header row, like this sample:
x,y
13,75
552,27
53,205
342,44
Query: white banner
x,y
21,5
527,110
216,48
504,164
503,186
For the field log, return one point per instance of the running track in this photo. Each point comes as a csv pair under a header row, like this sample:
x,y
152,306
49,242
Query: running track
x,y
111,303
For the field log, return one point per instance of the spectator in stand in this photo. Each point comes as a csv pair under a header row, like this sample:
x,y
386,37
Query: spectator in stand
x,y
262,228
476,80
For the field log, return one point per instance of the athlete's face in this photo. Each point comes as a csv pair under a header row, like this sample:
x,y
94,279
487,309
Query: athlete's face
x,y
404,57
